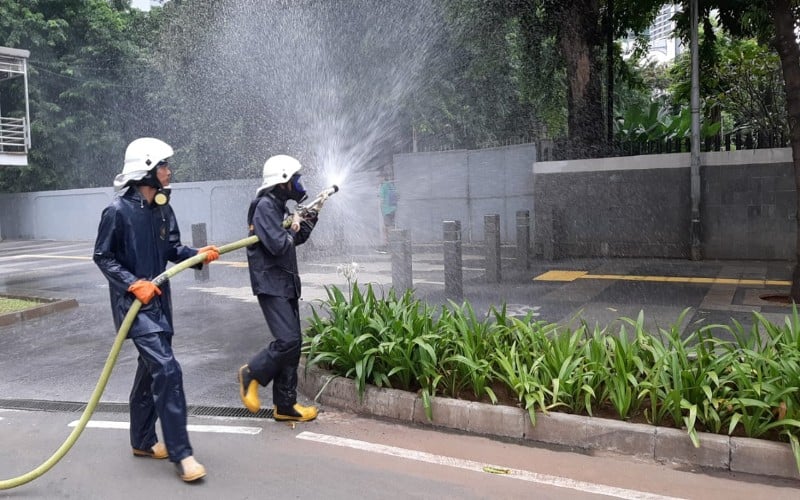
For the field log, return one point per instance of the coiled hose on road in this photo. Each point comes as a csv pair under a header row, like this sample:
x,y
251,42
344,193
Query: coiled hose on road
x,y
110,361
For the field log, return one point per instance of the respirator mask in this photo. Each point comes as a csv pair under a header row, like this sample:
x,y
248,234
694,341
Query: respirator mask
x,y
298,192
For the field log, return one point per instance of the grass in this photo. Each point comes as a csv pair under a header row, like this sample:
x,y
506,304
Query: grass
x,y
11,305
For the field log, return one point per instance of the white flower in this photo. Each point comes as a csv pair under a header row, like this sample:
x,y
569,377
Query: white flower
x,y
349,271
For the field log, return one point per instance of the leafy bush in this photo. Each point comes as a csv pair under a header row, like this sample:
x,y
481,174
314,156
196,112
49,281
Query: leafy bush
x,y
698,382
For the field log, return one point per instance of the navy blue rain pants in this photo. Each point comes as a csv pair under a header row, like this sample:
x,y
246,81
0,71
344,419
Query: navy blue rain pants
x,y
277,363
158,393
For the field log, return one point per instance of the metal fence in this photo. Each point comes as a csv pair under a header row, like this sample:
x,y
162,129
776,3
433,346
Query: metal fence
x,y
561,149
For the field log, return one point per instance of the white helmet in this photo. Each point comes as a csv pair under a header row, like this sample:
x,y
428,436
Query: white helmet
x,y
141,156
277,170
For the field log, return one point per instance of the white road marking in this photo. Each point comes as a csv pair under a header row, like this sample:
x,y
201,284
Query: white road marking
x,y
48,256
533,477
522,310
220,429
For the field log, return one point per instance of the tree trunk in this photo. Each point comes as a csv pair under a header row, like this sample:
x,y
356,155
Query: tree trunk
x,y
578,38
786,46
609,27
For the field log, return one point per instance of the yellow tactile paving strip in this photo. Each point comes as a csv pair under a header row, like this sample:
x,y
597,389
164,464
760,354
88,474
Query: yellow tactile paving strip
x,y
574,275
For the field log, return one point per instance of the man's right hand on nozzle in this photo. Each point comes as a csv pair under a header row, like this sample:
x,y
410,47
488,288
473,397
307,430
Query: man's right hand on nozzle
x,y
312,216
144,290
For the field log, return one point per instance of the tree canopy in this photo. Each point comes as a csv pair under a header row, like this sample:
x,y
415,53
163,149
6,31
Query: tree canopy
x,y
229,82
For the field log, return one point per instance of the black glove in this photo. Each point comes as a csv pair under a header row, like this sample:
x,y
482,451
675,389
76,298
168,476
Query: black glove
x,y
312,216
306,226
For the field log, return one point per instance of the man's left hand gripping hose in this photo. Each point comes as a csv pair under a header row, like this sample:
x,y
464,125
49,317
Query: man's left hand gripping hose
x,y
144,290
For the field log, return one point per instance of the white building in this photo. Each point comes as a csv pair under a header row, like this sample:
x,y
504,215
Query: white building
x,y
663,46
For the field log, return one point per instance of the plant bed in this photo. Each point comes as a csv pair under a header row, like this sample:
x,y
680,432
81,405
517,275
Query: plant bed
x,y
691,381
15,308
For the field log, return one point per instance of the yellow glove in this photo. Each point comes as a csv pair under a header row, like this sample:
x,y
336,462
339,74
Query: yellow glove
x,y
212,253
144,290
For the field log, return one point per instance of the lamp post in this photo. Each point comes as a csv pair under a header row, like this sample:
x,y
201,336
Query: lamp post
x,y
694,227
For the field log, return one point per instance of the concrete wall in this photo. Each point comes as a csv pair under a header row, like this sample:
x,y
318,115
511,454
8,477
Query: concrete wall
x,y
463,185
432,187
222,205
73,214
640,206
633,206
750,205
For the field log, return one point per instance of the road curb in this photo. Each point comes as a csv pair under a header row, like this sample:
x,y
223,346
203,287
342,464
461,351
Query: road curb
x,y
660,444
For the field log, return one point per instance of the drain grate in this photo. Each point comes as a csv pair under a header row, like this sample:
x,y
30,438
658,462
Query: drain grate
x,y
224,411
78,407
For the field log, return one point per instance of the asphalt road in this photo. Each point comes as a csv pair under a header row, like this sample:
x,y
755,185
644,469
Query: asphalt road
x,y
339,456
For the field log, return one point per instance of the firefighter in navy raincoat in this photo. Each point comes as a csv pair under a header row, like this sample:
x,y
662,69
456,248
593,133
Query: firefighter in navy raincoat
x,y
137,236
276,283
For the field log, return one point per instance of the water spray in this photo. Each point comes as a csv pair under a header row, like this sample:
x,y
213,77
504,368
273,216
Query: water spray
x,y
111,360
310,210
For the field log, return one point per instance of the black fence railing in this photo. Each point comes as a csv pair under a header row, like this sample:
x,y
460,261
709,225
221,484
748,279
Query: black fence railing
x,y
562,149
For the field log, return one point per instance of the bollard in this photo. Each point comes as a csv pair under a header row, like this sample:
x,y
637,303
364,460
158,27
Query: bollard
x,y
199,240
400,248
453,269
523,239
491,224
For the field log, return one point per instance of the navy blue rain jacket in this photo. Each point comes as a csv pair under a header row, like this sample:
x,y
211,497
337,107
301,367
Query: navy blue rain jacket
x,y
135,240
273,260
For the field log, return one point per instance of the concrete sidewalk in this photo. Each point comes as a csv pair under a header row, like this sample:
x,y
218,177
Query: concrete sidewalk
x,y
58,357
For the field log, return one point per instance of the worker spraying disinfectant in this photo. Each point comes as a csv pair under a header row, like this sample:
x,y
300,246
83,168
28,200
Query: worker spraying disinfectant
x,y
155,196
275,281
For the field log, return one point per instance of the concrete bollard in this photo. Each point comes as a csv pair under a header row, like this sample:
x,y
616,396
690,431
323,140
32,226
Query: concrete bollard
x,y
453,269
400,249
199,240
523,239
491,224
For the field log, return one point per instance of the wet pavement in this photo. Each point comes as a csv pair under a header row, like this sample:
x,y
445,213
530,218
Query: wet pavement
x,y
219,325
51,363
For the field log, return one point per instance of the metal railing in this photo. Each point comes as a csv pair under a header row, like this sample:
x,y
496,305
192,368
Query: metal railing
x,y
13,135
11,66
560,149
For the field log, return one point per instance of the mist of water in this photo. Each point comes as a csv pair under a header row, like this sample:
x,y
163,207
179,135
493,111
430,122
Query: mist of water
x,y
325,82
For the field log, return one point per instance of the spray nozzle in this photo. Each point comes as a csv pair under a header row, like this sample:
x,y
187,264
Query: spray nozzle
x,y
311,209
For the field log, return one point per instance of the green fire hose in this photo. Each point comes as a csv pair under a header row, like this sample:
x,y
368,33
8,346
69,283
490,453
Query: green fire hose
x,y
112,358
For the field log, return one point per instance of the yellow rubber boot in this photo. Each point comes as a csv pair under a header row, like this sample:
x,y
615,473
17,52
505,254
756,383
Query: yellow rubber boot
x,y
248,389
297,413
